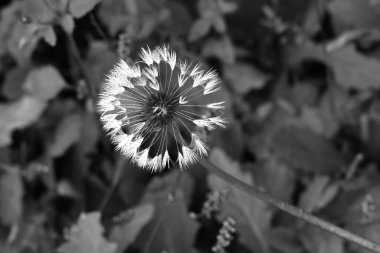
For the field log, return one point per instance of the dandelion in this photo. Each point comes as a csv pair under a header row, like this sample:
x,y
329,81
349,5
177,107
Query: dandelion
x,y
153,109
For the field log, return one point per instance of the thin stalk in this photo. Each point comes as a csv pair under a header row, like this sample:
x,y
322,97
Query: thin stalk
x,y
75,52
73,48
97,27
115,181
288,208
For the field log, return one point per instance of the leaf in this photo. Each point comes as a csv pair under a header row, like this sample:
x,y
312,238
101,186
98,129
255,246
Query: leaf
x,y
79,8
67,134
312,119
90,133
14,81
44,83
199,29
208,8
24,39
126,233
86,144
323,120
351,69
9,26
351,14
234,148
179,21
222,49
31,234
100,60
276,178
133,182
11,193
370,126
34,32
252,216
334,108
66,189
176,231
227,7
317,194
39,10
20,39
17,115
49,36
306,150
317,240
146,13
219,24
285,240
87,237
304,93
116,10
270,117
67,23
244,77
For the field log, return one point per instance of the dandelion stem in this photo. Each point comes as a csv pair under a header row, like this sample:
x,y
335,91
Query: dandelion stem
x,y
288,208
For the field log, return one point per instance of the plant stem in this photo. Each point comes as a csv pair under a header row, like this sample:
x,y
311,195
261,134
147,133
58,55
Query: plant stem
x,y
75,52
288,208
115,181
97,27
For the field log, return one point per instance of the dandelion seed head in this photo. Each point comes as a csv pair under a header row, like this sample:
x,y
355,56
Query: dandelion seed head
x,y
151,109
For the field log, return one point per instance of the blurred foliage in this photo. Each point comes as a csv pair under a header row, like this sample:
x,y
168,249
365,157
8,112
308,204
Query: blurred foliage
x,y
301,80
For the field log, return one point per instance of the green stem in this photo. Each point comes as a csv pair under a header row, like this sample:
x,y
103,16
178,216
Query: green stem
x,y
288,208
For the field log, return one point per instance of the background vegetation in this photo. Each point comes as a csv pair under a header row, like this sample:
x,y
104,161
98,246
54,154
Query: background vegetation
x,y
301,80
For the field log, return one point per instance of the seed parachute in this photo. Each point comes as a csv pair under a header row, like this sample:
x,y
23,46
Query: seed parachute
x,y
153,111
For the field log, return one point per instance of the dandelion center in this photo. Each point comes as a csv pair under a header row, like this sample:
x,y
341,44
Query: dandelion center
x,y
162,108
155,109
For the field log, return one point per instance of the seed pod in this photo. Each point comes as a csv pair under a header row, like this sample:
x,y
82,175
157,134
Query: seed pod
x,y
150,111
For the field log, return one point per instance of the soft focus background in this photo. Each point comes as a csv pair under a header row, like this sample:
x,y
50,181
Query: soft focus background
x,y
301,80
